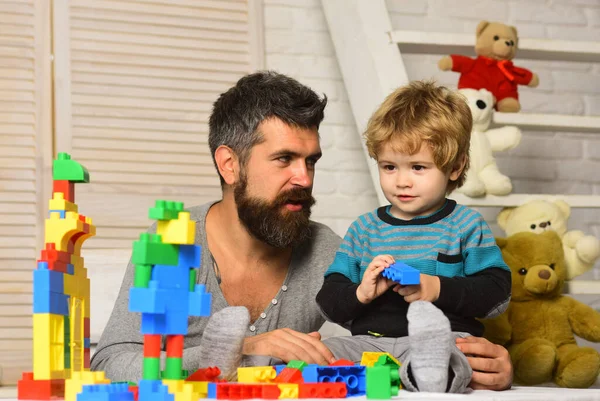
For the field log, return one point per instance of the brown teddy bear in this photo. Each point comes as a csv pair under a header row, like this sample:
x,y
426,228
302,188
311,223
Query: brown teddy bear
x,y
538,326
493,69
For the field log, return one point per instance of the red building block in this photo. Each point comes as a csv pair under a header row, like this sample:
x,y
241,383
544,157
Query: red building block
x,y
342,362
30,389
66,187
289,375
205,375
322,390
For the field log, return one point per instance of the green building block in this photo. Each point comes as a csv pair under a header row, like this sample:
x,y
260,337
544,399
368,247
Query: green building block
x,y
151,369
385,360
142,276
297,365
173,369
165,210
193,274
65,169
67,331
150,250
383,382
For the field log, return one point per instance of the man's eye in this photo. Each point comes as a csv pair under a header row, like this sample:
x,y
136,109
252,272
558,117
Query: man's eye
x,y
284,159
310,163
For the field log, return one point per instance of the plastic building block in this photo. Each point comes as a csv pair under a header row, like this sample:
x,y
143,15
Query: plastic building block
x,y
183,391
181,231
243,391
387,360
154,390
65,169
353,376
165,210
151,250
258,374
342,362
173,369
310,374
297,365
74,385
288,390
30,389
58,202
106,392
200,301
402,274
383,382
322,390
207,374
67,188
289,375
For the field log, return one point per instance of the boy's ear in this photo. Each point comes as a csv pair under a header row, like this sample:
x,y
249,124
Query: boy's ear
x,y
458,168
227,163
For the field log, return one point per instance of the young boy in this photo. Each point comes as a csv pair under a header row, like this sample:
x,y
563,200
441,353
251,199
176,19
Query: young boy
x,y
420,139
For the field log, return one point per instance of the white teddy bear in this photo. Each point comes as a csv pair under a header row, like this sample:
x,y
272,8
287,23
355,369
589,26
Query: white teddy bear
x,y
581,251
483,175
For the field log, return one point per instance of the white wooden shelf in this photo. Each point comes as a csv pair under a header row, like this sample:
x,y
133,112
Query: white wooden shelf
x,y
513,200
464,43
550,122
582,287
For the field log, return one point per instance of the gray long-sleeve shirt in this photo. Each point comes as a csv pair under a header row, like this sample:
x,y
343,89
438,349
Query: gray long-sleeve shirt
x,y
120,350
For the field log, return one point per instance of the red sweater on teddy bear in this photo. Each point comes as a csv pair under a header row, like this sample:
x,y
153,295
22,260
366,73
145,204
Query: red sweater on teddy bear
x,y
500,77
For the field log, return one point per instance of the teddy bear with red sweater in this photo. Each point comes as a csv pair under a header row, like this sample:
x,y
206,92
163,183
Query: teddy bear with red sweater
x,y
493,69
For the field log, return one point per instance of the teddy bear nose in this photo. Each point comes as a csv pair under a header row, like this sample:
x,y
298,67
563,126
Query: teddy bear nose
x,y
543,225
544,274
481,104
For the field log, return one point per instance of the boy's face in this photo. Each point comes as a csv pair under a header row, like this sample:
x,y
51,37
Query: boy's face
x,y
274,191
413,184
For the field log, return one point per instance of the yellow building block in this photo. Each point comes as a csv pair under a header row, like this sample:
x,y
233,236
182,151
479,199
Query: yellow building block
x,y
288,390
48,346
201,388
369,358
183,391
58,202
181,231
91,228
259,374
59,231
74,385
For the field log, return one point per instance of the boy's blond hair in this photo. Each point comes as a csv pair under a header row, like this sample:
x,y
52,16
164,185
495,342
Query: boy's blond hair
x,y
424,112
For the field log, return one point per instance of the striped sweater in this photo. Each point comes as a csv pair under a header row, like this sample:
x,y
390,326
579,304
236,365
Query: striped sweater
x,y
454,243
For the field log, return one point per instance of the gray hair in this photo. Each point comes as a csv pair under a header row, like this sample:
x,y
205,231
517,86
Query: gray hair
x,y
255,98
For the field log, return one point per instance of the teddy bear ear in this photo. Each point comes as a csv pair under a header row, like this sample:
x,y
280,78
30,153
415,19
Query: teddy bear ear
x,y
503,216
480,27
564,207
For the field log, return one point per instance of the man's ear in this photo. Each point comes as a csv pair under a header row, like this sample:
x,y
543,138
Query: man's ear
x,y
227,164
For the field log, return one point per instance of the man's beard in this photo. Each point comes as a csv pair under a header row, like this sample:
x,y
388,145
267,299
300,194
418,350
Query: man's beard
x,y
271,222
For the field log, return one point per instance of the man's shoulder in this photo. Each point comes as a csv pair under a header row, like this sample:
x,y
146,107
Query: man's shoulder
x,y
198,212
323,237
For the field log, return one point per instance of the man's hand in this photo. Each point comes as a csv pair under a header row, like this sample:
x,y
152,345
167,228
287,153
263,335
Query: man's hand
x,y
427,290
492,368
287,345
373,284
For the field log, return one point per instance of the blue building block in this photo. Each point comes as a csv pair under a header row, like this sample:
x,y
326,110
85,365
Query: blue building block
x,y
105,392
189,256
86,343
200,301
171,277
353,376
402,274
310,374
212,390
50,302
147,300
154,390
60,212
45,280
70,269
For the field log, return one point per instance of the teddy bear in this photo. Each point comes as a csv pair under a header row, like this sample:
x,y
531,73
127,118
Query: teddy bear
x,y
581,251
538,326
495,46
483,175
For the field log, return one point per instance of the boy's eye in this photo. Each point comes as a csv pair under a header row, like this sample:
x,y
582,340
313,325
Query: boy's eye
x,y
418,167
388,167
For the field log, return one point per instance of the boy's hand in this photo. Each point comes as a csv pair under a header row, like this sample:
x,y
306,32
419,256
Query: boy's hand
x,y
373,284
427,290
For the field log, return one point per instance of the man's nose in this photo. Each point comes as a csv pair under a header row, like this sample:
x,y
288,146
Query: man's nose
x,y
302,176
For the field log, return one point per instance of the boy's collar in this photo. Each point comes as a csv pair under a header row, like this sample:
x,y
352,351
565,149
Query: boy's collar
x,y
383,214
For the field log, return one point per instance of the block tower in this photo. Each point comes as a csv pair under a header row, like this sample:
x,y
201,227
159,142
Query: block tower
x,y
165,293
61,291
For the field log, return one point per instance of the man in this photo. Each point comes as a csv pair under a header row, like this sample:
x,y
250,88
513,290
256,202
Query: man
x,y
262,258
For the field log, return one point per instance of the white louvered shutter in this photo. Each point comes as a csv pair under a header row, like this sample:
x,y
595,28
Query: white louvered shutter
x,y
25,151
141,82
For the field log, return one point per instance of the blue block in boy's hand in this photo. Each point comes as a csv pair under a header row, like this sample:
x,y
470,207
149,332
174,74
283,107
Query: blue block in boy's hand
x,y
402,274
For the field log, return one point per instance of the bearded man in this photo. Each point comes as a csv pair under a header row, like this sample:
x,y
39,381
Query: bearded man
x,y
263,259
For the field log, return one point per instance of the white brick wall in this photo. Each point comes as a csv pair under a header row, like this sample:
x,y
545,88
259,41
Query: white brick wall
x,y
298,43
